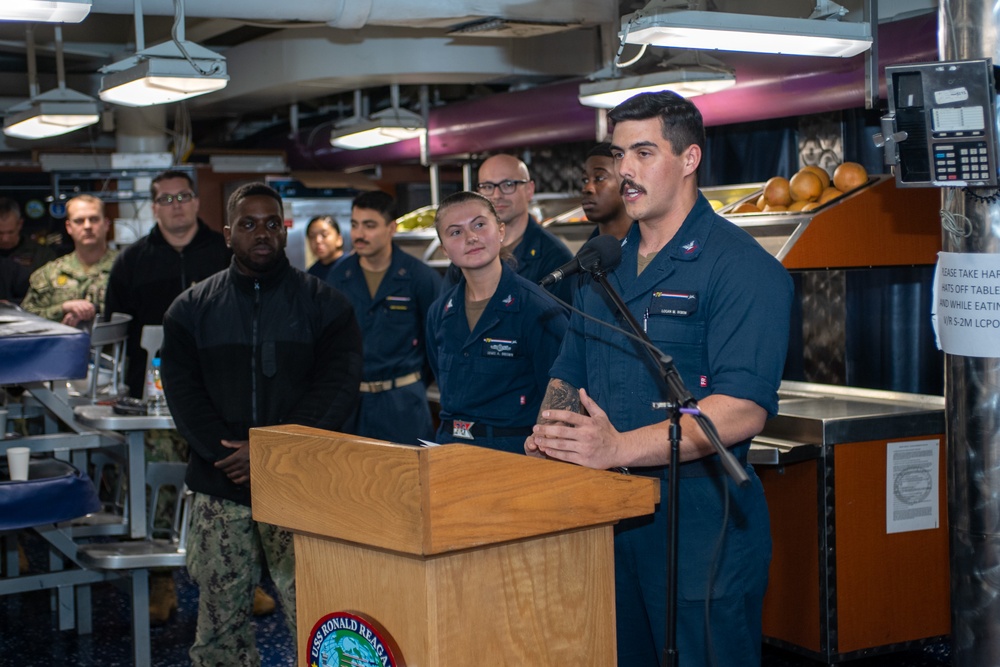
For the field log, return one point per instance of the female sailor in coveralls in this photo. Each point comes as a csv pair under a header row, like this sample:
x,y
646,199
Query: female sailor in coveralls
x,y
492,337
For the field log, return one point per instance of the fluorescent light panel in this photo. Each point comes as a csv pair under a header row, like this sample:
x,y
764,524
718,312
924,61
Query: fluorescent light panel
x,y
385,127
51,114
745,32
161,74
157,81
49,11
609,93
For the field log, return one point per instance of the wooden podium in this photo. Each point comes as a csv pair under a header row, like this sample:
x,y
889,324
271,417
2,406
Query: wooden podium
x,y
464,555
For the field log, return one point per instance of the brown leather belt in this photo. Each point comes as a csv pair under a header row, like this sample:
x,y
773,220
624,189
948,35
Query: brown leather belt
x,y
395,383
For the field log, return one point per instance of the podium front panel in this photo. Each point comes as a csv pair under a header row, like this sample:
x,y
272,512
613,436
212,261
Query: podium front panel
x,y
543,601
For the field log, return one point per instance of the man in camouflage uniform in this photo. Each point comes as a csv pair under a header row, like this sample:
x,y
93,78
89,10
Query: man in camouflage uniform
x,y
259,344
23,251
71,289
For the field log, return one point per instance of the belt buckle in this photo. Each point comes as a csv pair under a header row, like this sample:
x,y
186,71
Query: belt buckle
x,y
462,429
377,386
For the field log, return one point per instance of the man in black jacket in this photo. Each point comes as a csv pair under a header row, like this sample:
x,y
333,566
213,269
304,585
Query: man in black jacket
x,y
259,344
146,277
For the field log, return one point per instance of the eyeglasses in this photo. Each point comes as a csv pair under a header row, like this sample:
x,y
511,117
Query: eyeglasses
x,y
180,198
507,187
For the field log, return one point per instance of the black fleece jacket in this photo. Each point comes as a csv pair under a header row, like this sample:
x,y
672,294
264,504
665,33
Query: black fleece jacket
x,y
146,278
240,352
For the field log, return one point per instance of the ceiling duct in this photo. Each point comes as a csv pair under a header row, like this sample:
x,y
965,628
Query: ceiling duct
x,y
514,120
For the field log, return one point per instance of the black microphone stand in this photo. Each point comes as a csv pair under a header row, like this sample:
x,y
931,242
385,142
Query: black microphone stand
x,y
679,401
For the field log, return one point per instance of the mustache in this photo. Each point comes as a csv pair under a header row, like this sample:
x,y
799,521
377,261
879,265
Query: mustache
x,y
629,184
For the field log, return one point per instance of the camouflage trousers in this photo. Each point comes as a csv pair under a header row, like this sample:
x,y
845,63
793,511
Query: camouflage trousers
x,y
226,548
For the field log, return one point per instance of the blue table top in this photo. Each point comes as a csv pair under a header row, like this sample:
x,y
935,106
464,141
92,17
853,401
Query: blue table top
x,y
33,349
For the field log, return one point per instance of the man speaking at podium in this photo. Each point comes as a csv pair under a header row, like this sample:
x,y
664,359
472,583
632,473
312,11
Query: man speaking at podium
x,y
708,295
258,344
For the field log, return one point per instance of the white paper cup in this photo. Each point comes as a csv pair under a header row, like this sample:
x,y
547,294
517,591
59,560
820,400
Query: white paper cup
x,y
17,462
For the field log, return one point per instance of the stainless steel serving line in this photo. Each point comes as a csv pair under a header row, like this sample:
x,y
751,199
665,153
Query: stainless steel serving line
x,y
843,585
811,416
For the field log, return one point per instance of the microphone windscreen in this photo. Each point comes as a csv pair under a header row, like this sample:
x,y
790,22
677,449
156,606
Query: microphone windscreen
x,y
602,253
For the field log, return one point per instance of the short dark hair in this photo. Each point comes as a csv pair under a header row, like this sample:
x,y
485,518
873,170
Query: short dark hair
x,y
328,219
376,200
680,120
250,190
9,206
170,174
602,149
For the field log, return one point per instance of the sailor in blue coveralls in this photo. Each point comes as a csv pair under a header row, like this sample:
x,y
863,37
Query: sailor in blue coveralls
x,y
599,196
712,298
492,337
391,292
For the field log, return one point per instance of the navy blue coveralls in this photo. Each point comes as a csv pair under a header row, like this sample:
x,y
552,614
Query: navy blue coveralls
x,y
392,326
715,301
538,254
493,379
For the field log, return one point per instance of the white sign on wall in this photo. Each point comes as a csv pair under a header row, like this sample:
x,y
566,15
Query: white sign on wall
x,y
966,308
911,485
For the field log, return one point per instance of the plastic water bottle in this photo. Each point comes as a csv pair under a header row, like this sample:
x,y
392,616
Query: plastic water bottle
x,y
156,401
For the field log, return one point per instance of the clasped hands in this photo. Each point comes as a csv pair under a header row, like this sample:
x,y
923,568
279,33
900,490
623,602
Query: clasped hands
x,y
585,439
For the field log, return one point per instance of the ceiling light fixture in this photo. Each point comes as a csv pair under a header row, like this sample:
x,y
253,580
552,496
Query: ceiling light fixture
x,y
48,11
54,112
382,127
657,25
688,75
167,72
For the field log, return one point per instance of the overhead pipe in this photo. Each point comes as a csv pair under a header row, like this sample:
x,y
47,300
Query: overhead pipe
x,y
552,114
354,14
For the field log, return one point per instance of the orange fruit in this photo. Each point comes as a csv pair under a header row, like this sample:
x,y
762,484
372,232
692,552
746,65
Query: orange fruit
x,y
798,205
848,176
777,192
828,194
746,207
810,206
761,203
805,186
774,208
824,176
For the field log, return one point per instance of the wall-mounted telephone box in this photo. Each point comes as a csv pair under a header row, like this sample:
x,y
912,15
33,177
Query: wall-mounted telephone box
x,y
941,125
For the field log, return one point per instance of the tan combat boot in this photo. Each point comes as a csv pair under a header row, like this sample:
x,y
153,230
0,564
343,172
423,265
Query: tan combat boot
x,y
263,604
162,597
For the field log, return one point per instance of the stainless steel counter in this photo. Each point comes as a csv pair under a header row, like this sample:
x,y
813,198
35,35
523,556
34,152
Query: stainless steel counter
x,y
815,415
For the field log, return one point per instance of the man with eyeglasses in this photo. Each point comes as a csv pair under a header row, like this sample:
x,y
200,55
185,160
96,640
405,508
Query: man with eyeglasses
x,y
178,252
505,181
148,275
71,288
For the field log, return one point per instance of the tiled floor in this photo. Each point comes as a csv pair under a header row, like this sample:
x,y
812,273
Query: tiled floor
x,y
28,640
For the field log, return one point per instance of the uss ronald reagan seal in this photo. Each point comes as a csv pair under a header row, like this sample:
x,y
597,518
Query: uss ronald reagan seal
x,y
350,638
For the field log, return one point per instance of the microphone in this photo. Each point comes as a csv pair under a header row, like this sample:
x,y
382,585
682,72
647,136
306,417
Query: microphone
x,y
600,253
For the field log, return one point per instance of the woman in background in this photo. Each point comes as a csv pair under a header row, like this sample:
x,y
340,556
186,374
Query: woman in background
x,y
326,243
492,337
